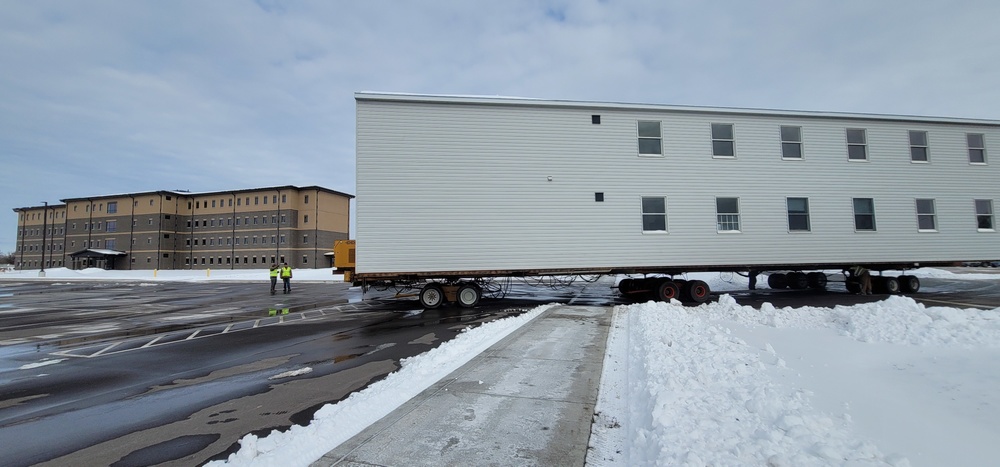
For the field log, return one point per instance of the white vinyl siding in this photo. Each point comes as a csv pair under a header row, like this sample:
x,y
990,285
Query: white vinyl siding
x,y
452,184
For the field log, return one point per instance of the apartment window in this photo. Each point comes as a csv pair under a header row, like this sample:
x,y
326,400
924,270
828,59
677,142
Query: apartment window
x,y
305,239
236,240
918,146
109,243
254,239
926,215
649,138
112,207
284,199
213,203
265,200
984,214
791,142
238,201
213,222
283,219
864,214
230,205
654,214
274,219
977,148
256,200
727,211
263,219
282,240
187,242
254,220
274,199
189,205
112,226
150,222
798,214
305,219
306,199
273,239
857,144
305,259
723,142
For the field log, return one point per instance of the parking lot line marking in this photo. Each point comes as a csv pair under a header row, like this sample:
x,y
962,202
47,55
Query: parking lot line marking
x,y
192,336
151,342
99,352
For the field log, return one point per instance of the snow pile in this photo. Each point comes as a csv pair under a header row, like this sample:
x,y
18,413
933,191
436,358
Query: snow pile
x,y
682,386
335,423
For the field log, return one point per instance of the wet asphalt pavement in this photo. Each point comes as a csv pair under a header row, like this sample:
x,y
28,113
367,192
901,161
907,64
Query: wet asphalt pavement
x,y
175,373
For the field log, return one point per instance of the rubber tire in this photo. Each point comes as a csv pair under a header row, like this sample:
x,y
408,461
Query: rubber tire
x,y
666,290
626,286
891,285
797,280
853,286
697,291
777,281
817,280
431,296
468,295
909,284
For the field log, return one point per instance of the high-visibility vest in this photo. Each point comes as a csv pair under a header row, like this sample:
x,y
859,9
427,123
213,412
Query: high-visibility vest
x,y
275,272
286,272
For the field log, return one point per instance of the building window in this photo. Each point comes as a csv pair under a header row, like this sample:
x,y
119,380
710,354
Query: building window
x,y
284,199
918,146
649,138
305,219
305,259
654,214
984,214
213,203
273,239
723,142
274,199
265,200
112,207
283,220
791,142
798,214
925,215
230,205
727,211
305,239
109,243
112,226
256,200
857,144
239,201
864,214
282,239
977,148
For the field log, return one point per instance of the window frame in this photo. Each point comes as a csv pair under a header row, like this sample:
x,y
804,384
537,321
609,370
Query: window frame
x,y
644,215
719,222
640,137
863,144
981,148
926,146
989,215
854,208
731,141
789,213
932,215
783,142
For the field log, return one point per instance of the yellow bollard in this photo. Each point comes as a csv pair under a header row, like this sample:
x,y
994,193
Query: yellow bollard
x,y
154,274
208,273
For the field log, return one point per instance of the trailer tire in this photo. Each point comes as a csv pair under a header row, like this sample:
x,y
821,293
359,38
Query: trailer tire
x,y
797,280
626,286
665,291
696,291
777,281
431,296
468,295
817,280
909,284
852,285
891,285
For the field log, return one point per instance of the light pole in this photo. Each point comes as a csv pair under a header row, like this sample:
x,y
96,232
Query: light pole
x,y
45,224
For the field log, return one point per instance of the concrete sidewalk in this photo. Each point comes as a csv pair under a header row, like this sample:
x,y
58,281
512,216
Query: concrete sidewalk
x,y
528,400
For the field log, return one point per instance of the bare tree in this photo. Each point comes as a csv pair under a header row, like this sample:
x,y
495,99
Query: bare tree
x,y
7,258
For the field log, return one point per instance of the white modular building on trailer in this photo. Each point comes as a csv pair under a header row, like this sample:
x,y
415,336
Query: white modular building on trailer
x,y
453,186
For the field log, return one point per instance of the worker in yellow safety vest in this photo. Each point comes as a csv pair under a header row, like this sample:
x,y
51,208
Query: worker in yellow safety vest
x,y
286,277
275,271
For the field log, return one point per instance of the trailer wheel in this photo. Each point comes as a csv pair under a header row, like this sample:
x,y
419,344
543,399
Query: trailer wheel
x,y
891,285
909,284
431,296
469,295
777,281
626,286
853,286
797,280
665,291
697,291
817,280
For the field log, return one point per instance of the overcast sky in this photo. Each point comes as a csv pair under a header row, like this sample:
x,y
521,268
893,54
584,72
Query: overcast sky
x,y
102,97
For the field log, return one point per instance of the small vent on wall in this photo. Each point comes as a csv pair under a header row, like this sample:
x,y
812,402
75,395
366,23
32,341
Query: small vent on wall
x,y
599,197
595,119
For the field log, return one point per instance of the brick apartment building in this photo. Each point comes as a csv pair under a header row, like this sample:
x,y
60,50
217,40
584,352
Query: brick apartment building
x,y
239,229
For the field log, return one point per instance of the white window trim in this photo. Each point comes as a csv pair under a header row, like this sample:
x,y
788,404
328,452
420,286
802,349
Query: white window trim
x,y
781,144
849,144
739,214
713,140
666,221
926,146
637,137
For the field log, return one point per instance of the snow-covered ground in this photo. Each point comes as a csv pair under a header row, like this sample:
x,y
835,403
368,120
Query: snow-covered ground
x,y
885,383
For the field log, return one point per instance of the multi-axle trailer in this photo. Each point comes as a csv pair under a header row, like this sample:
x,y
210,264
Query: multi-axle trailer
x,y
453,191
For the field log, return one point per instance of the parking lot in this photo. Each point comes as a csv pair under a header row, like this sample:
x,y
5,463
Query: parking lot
x,y
176,372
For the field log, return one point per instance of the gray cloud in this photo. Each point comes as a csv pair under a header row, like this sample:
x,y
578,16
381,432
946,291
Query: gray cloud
x,y
116,96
